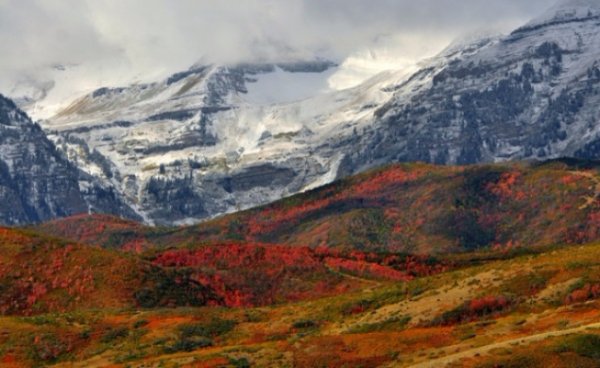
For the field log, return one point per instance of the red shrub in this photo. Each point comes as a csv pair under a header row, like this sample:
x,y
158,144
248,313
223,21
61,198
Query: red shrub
x,y
393,176
474,309
571,179
588,292
41,275
504,188
272,217
488,305
366,269
250,274
259,274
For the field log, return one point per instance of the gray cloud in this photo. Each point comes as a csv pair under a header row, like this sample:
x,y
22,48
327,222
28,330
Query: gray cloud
x,y
165,35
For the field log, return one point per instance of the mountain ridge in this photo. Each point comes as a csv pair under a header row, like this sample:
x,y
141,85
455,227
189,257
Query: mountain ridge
x,y
413,209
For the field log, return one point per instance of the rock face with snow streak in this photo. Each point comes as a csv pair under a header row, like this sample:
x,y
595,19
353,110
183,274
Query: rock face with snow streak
x,y
213,139
37,182
217,138
531,94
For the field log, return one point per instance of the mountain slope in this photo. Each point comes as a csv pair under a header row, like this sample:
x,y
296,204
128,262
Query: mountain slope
x,y
531,94
216,138
427,209
37,182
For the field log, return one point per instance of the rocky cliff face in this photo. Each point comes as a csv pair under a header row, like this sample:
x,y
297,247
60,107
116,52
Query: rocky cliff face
x,y
37,182
207,141
531,94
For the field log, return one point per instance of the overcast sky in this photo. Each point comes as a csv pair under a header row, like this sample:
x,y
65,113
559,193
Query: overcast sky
x,y
148,37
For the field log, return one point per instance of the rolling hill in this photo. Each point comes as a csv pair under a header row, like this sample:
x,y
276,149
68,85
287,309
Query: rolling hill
x,y
531,310
407,208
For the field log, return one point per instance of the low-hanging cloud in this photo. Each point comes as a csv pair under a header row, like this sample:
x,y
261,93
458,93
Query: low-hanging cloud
x,y
146,37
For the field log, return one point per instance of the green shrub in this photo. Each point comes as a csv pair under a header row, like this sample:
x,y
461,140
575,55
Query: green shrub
x,y
49,347
85,334
114,333
579,284
140,323
304,324
215,327
474,309
199,335
527,285
578,265
462,222
171,287
393,324
357,307
515,361
239,363
585,345
189,344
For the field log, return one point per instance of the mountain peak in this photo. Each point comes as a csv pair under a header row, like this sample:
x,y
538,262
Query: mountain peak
x,y
578,3
573,8
566,11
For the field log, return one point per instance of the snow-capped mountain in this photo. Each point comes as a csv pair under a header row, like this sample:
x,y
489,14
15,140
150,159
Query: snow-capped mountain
x,y
219,138
37,182
215,138
531,94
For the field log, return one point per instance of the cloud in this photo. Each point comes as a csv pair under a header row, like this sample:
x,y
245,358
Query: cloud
x,y
145,38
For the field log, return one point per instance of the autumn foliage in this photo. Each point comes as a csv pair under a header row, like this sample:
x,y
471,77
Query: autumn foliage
x,y
587,292
505,187
260,274
365,190
366,269
101,230
41,275
405,208
474,309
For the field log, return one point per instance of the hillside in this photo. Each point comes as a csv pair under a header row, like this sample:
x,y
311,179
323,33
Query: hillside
x,y
408,208
504,269
424,209
246,274
531,310
40,274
